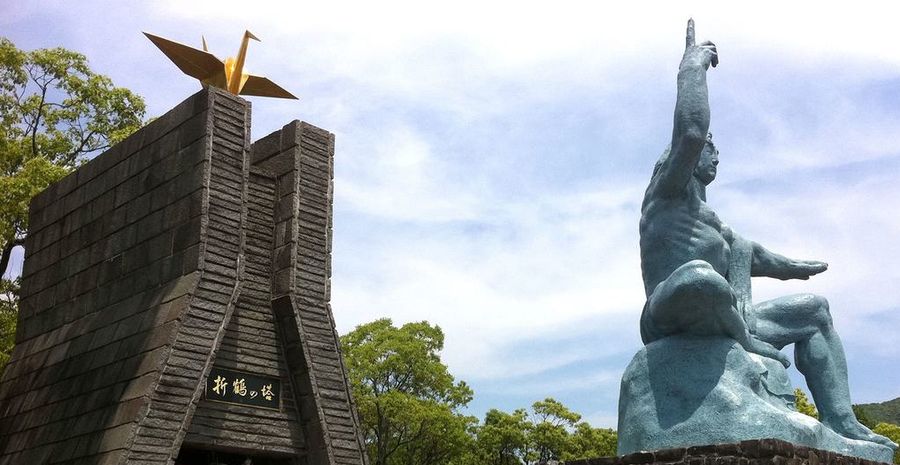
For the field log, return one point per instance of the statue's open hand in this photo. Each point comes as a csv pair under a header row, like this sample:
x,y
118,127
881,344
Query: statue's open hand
x,y
803,269
704,54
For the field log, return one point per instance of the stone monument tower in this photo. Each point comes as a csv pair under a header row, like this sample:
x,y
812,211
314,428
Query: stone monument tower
x,y
175,303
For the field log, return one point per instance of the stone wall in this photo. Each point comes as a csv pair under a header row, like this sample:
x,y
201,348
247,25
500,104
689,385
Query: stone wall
x,y
754,452
112,258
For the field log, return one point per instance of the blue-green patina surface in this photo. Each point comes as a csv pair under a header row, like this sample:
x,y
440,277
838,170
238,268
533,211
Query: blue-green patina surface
x,y
712,370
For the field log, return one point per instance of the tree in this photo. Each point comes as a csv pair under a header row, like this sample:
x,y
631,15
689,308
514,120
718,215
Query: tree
x,y
550,437
803,404
891,432
589,442
408,402
549,432
54,113
503,438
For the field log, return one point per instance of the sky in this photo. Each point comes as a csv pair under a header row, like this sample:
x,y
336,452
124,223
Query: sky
x,y
491,159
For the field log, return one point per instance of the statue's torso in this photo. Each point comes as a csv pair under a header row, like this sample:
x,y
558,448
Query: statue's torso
x,y
675,230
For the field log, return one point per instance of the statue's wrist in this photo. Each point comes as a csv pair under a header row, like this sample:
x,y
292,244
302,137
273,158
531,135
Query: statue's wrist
x,y
691,66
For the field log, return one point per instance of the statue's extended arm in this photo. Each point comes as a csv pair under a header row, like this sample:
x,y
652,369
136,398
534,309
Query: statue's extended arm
x,y
691,116
772,265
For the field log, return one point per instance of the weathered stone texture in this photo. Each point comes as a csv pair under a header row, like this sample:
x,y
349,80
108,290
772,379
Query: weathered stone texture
x,y
181,382
178,249
252,344
300,159
111,256
753,452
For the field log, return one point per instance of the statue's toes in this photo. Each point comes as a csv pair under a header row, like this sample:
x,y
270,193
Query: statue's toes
x,y
877,438
883,441
863,433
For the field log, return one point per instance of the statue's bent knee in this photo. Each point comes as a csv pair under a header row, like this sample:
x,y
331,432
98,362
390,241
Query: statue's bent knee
x,y
692,299
820,308
700,274
695,284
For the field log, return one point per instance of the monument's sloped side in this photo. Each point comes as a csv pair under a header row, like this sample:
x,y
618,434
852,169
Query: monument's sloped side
x,y
175,392
299,158
159,268
111,262
694,391
252,343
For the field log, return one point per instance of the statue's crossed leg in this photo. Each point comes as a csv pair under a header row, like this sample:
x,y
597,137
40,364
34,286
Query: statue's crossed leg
x,y
805,321
695,299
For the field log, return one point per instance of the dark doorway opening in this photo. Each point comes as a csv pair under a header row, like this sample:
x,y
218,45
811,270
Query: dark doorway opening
x,y
191,456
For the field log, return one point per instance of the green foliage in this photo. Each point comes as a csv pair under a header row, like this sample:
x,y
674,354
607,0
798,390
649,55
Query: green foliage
x,y
803,404
863,417
8,314
407,400
549,432
882,412
503,438
589,442
17,189
409,406
550,435
892,432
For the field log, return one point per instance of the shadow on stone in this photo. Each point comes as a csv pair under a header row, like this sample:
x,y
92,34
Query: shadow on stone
x,y
677,403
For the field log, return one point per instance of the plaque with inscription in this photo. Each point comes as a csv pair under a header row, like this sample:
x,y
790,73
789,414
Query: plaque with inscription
x,y
237,387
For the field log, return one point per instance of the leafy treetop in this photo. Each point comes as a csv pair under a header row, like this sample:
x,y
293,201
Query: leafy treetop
x,y
408,401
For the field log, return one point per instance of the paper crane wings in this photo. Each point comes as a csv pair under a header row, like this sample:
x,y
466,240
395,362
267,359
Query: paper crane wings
x,y
226,74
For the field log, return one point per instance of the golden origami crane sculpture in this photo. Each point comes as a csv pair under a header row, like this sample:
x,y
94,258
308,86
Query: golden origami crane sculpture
x,y
225,74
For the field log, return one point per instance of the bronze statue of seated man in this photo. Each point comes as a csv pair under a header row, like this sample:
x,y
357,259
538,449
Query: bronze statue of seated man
x,y
688,268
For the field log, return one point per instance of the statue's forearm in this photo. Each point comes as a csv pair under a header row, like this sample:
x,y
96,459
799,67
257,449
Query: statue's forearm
x,y
691,120
769,264
692,104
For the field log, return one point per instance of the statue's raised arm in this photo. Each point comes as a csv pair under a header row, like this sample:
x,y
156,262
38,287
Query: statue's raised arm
x,y
691,118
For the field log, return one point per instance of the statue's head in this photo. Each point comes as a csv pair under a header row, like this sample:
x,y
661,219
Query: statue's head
x,y
709,159
706,166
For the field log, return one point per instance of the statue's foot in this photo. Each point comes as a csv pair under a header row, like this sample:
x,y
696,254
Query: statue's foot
x,y
853,429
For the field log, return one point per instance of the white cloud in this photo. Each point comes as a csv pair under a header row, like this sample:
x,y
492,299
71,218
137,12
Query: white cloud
x,y
398,177
536,269
603,419
557,386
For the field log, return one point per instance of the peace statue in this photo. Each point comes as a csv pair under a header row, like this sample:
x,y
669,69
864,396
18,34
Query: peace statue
x,y
696,273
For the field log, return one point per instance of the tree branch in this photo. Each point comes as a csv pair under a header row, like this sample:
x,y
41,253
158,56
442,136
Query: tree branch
x,y
37,121
84,140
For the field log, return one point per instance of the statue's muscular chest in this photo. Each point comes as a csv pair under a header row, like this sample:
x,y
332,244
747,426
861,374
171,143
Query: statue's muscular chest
x,y
685,230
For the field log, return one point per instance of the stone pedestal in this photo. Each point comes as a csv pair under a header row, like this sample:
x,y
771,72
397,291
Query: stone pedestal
x,y
755,452
684,391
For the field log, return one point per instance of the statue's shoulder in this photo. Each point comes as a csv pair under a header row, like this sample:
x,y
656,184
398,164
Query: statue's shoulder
x,y
656,198
727,232
661,187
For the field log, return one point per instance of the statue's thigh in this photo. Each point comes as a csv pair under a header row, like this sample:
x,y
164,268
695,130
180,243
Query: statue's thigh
x,y
789,319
